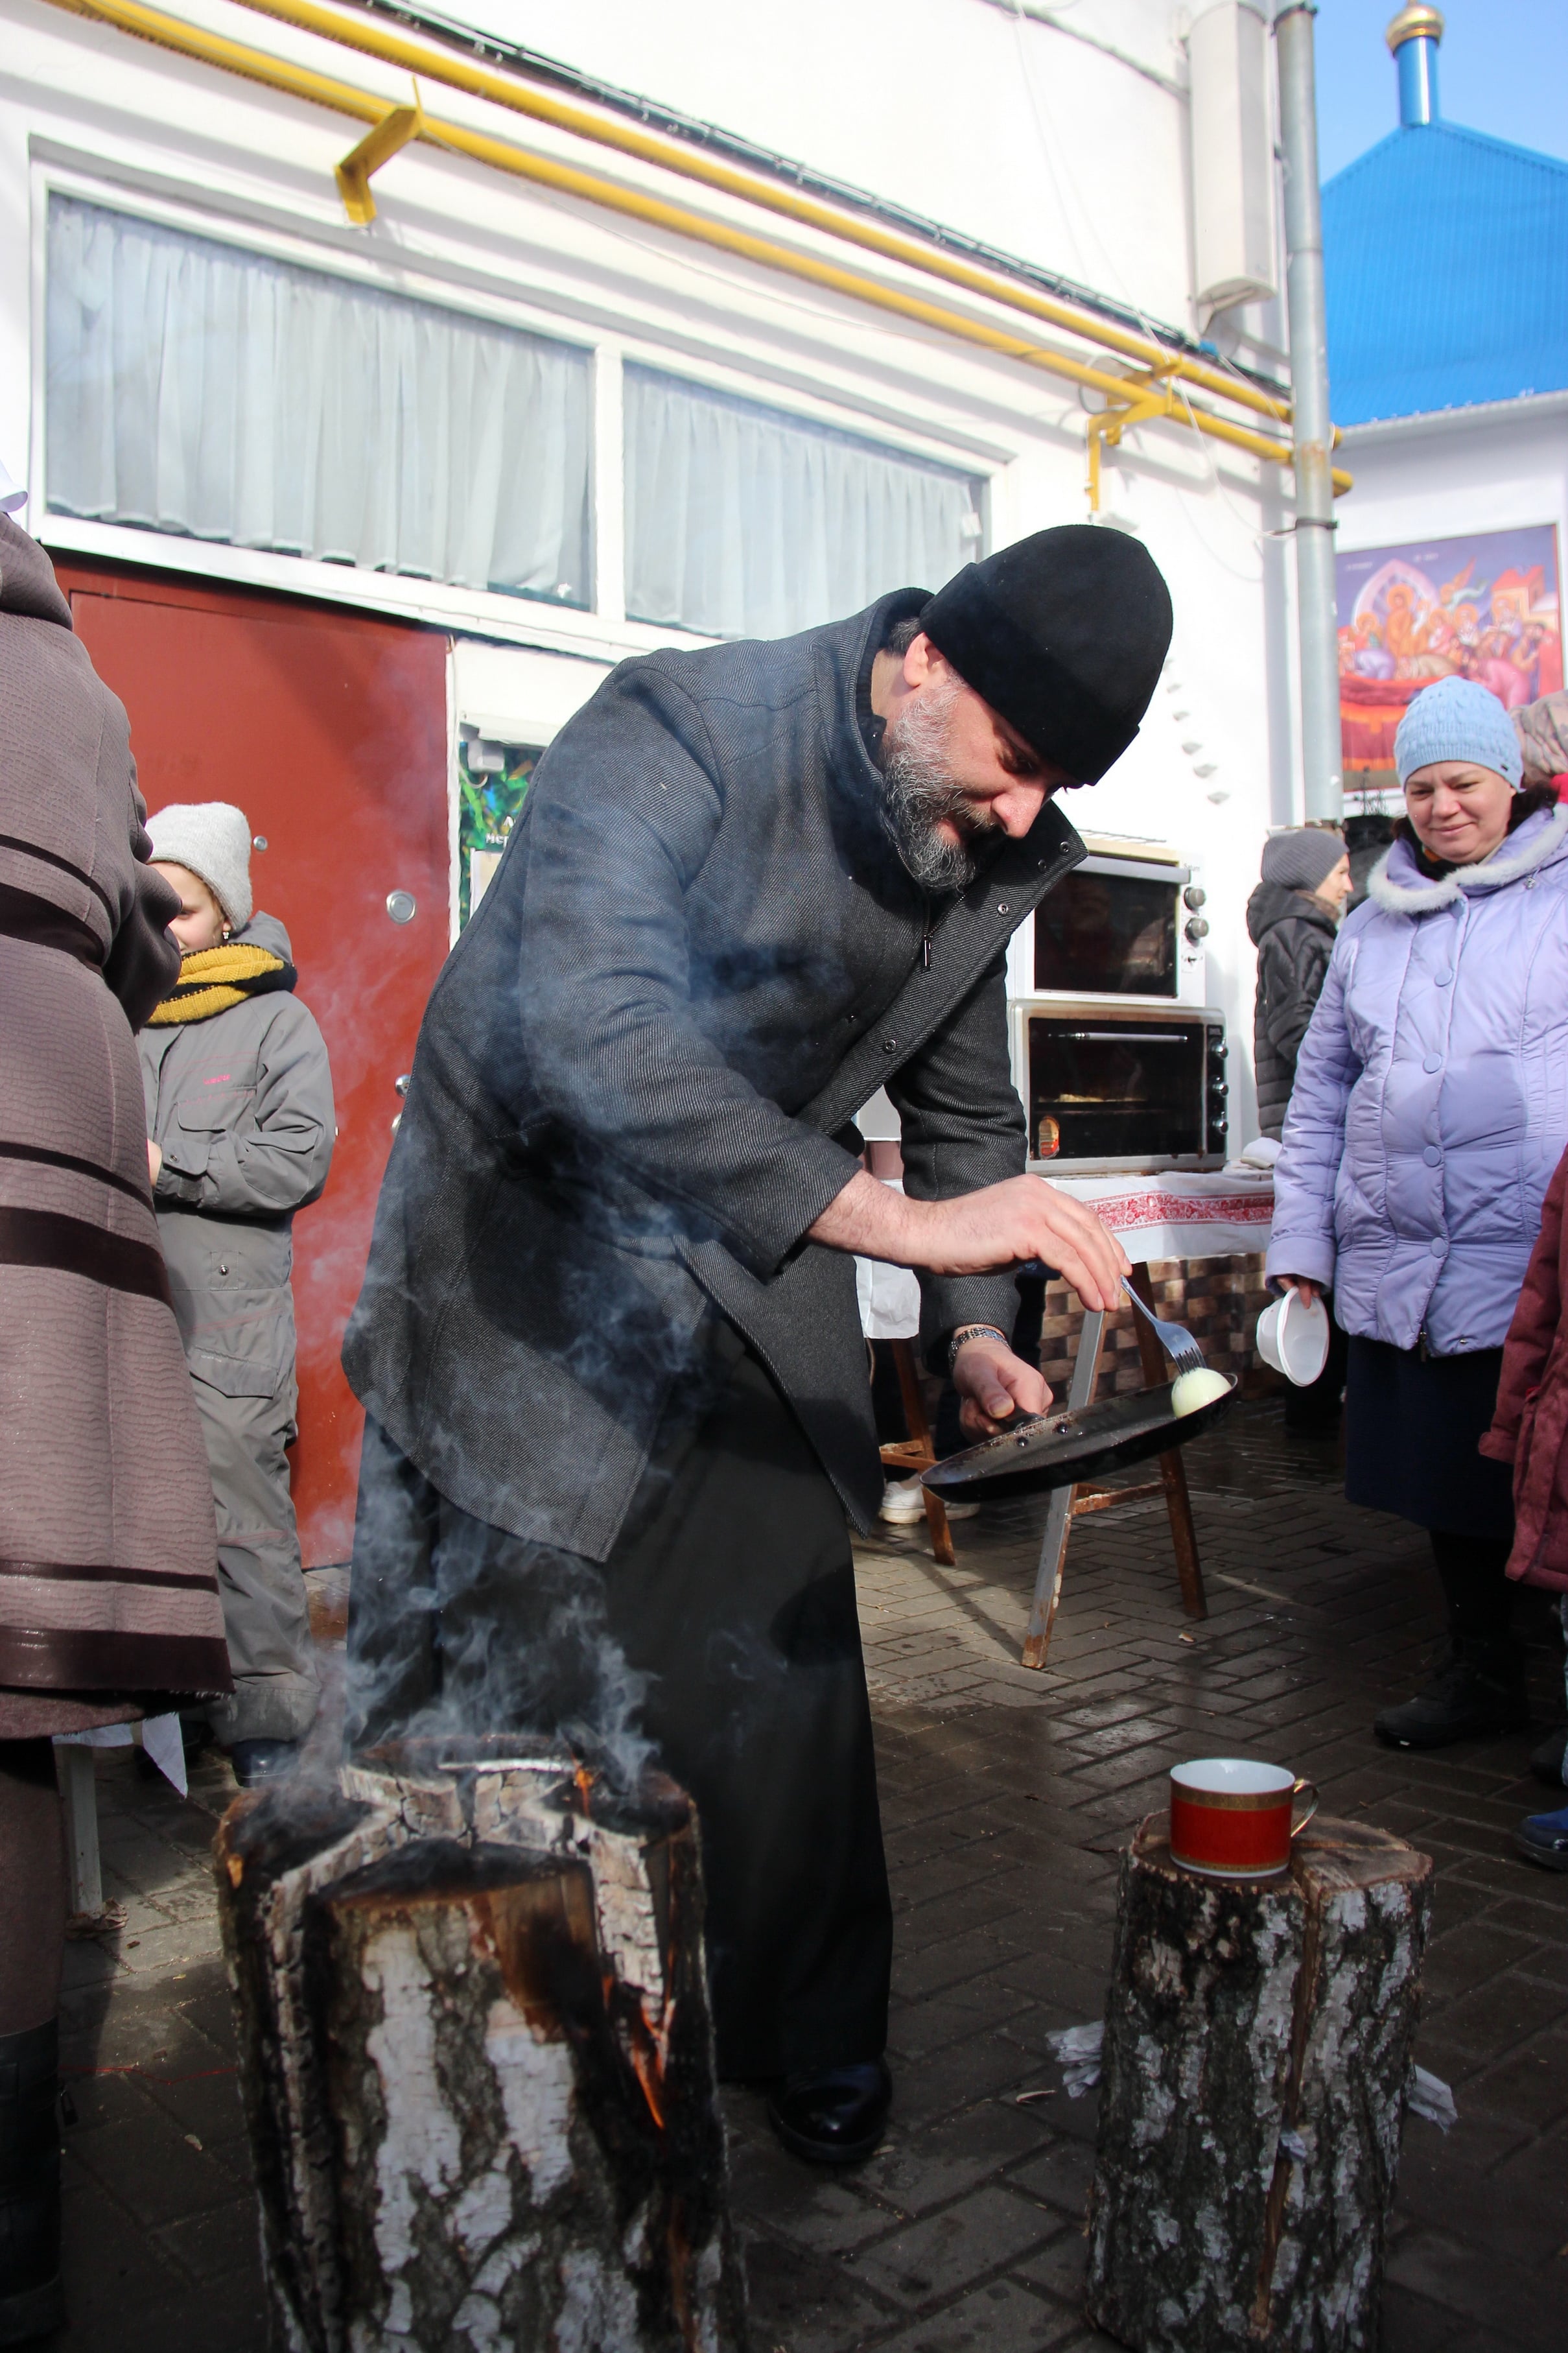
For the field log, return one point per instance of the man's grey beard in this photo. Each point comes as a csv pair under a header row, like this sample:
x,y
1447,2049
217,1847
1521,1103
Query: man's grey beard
x,y
919,790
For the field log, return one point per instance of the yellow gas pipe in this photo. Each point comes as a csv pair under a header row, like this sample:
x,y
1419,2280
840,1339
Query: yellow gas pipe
x,y
1127,392
521,97
384,140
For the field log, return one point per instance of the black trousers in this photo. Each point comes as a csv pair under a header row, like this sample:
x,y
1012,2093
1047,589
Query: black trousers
x,y
32,1886
723,1631
1477,1591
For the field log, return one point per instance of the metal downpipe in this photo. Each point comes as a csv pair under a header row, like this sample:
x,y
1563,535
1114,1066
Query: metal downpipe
x,y
1312,431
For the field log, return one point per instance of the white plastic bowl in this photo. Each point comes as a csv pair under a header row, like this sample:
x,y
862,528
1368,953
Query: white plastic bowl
x,y
1294,1338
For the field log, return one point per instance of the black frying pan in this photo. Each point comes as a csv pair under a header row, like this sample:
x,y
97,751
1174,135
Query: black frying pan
x,y
1058,1448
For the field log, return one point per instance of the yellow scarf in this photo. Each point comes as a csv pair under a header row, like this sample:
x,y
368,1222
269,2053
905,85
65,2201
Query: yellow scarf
x,y
212,979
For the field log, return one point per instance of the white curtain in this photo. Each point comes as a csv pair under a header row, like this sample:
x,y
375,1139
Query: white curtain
x,y
196,388
743,521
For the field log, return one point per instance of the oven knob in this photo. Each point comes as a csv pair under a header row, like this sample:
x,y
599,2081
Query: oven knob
x,y
1218,1090
1197,928
1218,1050
1194,897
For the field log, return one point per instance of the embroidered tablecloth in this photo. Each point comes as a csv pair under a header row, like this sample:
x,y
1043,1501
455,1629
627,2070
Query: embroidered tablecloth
x,y
1180,1213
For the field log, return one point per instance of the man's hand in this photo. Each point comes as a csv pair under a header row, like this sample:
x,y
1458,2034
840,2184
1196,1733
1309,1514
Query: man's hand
x,y
155,1159
976,1234
1025,1217
995,1385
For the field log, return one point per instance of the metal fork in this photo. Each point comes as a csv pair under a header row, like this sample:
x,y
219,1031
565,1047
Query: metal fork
x,y
1174,1338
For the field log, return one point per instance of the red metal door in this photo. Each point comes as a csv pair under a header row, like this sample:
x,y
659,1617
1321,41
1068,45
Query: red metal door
x,y
329,730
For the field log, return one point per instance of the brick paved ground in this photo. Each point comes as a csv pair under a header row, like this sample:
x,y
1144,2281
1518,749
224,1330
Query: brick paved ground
x,y
1006,1797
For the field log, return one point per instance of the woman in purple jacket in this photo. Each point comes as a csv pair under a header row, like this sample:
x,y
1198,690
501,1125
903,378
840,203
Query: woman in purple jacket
x,y
1429,1110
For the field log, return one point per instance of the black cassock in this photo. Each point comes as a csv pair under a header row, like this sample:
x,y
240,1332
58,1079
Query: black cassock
x,y
731,1589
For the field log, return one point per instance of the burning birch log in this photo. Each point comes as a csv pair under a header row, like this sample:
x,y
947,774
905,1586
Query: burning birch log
x,y
1257,2049
477,2060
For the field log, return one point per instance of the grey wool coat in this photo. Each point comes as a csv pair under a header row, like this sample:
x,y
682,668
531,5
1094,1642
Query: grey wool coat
x,y
697,959
108,1548
241,1107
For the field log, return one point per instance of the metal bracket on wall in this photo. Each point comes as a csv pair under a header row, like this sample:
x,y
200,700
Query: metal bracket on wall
x,y
1107,425
384,140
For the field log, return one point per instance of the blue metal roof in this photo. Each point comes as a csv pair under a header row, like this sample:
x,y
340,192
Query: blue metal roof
x,y
1447,259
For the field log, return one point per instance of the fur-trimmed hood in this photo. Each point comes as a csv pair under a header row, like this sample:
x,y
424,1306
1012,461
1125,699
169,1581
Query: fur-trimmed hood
x,y
1397,885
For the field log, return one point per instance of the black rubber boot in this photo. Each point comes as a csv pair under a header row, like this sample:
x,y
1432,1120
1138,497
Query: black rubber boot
x,y
1481,1691
31,2304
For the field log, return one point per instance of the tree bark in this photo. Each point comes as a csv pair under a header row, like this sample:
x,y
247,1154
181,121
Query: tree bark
x,y
477,2062
1257,2049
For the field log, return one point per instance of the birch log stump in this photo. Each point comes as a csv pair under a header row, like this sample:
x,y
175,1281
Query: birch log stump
x,y
1258,2047
477,2060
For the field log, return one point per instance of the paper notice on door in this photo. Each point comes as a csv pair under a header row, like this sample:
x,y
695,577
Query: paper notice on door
x,y
482,864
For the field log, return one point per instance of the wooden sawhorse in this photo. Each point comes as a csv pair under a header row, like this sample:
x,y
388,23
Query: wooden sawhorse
x,y
1069,1504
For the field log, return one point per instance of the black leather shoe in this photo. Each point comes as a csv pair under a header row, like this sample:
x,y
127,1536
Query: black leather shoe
x,y
1547,1761
835,2116
255,1761
1474,1695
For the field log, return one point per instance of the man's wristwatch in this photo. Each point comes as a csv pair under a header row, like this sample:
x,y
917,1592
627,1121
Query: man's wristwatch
x,y
966,1331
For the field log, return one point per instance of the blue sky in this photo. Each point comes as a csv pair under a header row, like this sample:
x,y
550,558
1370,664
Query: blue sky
x,y
1503,68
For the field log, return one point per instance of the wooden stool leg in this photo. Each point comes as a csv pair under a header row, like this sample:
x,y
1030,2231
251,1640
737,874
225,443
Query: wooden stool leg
x,y
1172,1470
920,1432
76,1770
1058,1515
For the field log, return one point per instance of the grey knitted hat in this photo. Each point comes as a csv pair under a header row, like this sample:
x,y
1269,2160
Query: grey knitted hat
x,y
1302,858
212,838
1458,720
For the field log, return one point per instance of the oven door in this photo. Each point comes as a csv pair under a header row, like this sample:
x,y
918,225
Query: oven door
x,y
1109,1088
1110,927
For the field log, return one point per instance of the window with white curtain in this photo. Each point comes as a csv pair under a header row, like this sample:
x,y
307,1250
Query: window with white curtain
x,y
744,522
198,388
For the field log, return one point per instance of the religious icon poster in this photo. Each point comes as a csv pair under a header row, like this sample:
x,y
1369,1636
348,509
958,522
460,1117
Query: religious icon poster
x,y
1484,607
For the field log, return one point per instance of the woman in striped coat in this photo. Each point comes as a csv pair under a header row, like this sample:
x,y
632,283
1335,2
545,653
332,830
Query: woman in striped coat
x,y
109,1605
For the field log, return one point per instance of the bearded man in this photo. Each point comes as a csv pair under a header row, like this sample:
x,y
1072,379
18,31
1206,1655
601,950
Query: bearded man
x,y
608,1345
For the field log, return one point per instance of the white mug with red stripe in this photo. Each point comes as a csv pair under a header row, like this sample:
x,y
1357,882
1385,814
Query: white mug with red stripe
x,y
1233,1818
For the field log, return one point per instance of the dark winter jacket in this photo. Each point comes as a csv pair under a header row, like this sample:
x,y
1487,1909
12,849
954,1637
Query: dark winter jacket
x,y
108,1542
1529,1427
1294,936
241,1106
696,960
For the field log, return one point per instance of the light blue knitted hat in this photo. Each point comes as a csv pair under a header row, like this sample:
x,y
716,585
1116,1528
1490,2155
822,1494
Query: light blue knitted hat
x,y
1458,720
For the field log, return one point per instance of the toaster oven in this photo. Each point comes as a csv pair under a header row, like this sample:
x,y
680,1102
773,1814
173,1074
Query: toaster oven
x,y
1119,1061
1106,1085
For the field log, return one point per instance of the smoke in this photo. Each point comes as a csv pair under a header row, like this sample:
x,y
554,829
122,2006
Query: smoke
x,y
526,1647
920,792
459,1628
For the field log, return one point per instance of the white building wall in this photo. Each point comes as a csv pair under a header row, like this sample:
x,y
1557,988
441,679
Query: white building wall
x,y
1081,166
1025,136
1499,468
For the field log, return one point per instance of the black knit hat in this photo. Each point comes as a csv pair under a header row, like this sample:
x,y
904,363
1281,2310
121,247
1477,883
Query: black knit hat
x,y
1063,634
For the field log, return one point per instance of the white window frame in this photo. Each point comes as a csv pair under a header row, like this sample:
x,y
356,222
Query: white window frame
x,y
603,632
